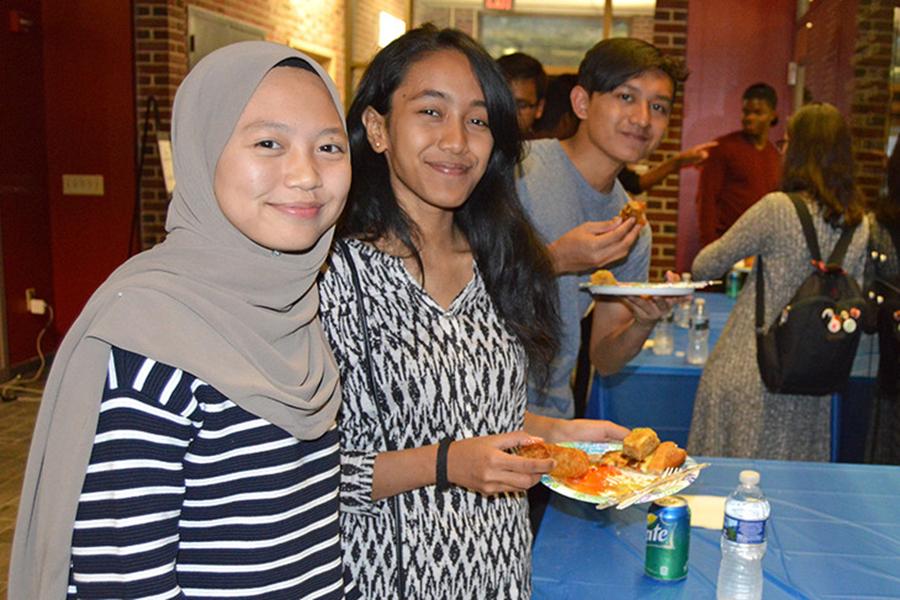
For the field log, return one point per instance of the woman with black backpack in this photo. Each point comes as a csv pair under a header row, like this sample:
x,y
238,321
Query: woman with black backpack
x,y
736,413
883,284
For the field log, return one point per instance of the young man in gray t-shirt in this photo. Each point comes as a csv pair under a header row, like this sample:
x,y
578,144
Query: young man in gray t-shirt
x,y
623,99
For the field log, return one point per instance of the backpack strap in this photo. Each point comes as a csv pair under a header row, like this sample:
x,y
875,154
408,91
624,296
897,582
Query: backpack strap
x,y
809,231
760,298
894,232
812,243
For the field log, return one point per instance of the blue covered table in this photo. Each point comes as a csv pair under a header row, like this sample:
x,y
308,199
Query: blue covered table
x,y
658,391
834,533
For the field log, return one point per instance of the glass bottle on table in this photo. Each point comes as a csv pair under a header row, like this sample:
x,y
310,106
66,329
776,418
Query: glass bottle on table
x,y
663,336
682,310
698,334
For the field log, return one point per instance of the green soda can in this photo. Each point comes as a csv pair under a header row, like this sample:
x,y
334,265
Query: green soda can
x,y
733,284
668,539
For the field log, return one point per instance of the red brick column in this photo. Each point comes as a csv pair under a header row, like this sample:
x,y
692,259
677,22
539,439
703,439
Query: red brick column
x,y
670,35
160,33
870,97
161,64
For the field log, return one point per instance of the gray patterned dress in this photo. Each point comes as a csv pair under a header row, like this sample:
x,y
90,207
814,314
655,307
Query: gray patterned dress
x,y
734,415
453,373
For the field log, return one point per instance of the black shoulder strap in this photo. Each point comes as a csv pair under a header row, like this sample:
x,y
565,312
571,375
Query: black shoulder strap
x,y
344,249
809,231
812,243
394,501
894,232
760,298
840,249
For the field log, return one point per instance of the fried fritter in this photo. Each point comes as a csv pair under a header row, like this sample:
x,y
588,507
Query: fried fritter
x,y
570,462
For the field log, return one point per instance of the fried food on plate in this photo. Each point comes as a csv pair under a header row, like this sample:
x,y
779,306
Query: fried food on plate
x,y
603,277
615,458
668,454
570,462
636,209
640,443
661,457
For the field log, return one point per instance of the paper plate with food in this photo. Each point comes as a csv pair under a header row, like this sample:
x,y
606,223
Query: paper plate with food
x,y
604,283
639,469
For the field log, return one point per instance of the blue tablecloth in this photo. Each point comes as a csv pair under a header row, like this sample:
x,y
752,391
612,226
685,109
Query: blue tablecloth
x,y
658,391
834,533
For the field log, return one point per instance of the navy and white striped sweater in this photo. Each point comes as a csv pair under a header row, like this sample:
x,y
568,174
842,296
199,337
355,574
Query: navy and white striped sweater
x,y
189,496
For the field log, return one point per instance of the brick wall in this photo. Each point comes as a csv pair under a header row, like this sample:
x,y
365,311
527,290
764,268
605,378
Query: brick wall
x,y
365,31
667,28
161,57
670,35
847,55
642,27
871,95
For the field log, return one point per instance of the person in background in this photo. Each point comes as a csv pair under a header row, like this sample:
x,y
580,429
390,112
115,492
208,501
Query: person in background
x,y
625,92
528,82
743,168
883,441
455,299
186,445
734,413
635,183
557,120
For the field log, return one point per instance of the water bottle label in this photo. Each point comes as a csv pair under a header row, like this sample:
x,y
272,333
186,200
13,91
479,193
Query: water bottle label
x,y
744,532
699,325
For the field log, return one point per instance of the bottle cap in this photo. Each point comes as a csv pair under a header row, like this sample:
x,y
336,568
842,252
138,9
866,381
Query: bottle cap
x,y
749,477
699,307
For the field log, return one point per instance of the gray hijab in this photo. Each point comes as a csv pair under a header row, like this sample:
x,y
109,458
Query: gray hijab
x,y
208,300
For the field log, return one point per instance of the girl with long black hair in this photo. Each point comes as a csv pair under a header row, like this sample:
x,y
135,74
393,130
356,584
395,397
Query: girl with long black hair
x,y
438,298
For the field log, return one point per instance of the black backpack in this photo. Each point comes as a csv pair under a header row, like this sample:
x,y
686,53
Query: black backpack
x,y
809,350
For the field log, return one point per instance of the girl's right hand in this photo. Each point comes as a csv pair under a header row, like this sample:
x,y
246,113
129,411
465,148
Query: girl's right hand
x,y
480,464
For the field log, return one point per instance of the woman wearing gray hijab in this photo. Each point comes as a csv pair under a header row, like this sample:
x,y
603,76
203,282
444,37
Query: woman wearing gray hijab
x,y
186,445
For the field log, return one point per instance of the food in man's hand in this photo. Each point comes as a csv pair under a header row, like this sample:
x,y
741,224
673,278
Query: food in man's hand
x,y
640,443
636,209
603,277
570,462
666,455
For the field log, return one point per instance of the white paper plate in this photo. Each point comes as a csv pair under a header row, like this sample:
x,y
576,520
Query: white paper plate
x,y
647,289
613,497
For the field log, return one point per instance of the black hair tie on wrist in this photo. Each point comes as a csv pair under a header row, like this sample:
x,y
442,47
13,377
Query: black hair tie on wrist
x,y
440,467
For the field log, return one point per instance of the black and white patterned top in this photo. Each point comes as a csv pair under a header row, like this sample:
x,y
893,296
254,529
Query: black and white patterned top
x,y
454,373
188,495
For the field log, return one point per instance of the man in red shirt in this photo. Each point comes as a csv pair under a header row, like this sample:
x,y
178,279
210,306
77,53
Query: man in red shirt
x,y
743,168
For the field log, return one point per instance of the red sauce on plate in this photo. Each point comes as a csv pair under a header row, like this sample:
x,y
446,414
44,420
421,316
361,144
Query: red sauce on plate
x,y
594,481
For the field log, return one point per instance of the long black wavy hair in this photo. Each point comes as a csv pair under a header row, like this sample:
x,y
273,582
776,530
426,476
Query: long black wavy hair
x,y
513,262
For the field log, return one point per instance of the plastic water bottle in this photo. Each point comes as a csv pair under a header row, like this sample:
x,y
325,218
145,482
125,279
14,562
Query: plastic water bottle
x,y
663,337
683,309
743,541
698,334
